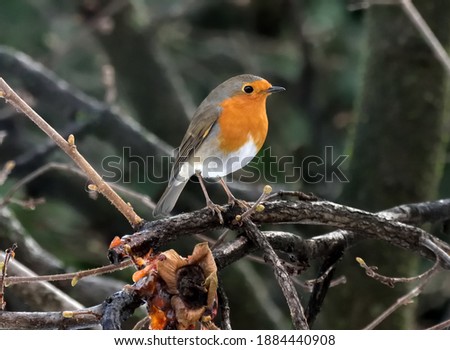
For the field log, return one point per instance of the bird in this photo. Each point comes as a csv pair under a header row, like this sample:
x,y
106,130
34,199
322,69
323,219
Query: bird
x,y
227,130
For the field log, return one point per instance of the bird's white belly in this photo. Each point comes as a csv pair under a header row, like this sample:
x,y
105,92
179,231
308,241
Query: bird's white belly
x,y
213,163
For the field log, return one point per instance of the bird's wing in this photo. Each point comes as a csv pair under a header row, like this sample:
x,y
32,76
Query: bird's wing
x,y
201,124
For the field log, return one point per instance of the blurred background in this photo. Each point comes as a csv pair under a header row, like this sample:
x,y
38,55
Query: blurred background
x,y
125,77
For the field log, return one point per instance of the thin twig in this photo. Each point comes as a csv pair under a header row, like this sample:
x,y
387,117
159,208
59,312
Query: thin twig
x,y
9,253
70,149
400,302
29,204
391,281
109,81
438,251
418,21
40,296
33,175
308,285
442,325
3,135
7,168
74,276
143,323
257,206
365,4
144,199
220,239
406,299
321,278
427,34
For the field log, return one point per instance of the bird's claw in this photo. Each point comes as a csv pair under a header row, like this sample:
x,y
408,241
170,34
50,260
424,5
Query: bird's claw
x,y
215,209
241,203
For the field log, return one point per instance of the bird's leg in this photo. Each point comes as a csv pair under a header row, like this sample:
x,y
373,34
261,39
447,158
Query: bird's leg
x,y
232,200
209,203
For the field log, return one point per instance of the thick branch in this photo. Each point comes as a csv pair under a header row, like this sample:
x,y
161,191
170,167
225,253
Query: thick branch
x,y
51,320
364,225
119,307
420,213
320,289
110,314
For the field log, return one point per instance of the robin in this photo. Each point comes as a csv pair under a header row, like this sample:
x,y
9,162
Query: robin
x,y
227,131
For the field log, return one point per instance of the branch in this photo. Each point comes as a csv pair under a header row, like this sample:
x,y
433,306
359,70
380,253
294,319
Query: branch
x,y
323,283
364,225
418,21
316,211
40,81
117,127
391,281
88,291
406,299
7,168
84,318
70,149
427,34
110,314
283,278
420,213
442,325
270,310
41,296
9,254
144,199
119,307
73,276
224,308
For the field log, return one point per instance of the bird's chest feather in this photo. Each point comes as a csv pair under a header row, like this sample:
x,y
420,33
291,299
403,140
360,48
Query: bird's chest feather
x,y
242,120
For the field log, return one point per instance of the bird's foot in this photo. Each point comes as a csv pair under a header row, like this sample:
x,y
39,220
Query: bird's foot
x,y
215,209
241,203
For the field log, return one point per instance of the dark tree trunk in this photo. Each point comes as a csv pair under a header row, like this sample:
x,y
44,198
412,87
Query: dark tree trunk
x,y
397,154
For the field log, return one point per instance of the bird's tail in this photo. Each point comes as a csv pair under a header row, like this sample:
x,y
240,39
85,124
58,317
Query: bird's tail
x,y
169,198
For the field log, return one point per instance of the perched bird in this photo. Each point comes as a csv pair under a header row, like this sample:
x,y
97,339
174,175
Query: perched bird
x,y
227,131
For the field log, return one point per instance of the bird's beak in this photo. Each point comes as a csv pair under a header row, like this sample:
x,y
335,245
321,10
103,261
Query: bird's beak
x,y
274,89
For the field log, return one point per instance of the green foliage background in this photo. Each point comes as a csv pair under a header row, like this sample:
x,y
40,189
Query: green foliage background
x,y
167,55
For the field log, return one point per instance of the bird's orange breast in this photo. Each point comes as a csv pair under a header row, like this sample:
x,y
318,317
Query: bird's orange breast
x,y
242,116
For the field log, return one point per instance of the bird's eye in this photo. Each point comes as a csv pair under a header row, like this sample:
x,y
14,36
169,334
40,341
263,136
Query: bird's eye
x,y
248,89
